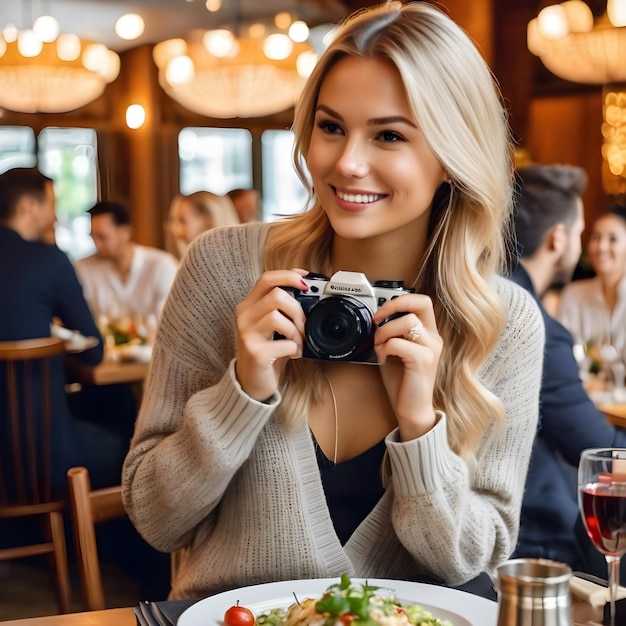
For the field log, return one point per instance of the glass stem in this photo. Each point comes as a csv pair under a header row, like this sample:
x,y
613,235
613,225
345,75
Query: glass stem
x,y
613,567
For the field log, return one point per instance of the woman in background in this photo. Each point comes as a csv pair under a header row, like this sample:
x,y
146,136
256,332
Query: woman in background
x,y
196,213
261,465
594,309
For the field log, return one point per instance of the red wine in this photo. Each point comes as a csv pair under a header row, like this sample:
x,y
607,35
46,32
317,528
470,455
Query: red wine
x,y
604,514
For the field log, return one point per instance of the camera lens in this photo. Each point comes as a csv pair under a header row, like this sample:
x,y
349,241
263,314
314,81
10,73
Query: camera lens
x,y
339,329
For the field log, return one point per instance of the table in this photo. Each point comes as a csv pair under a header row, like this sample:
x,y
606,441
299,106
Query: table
x,y
109,617
110,372
615,413
583,614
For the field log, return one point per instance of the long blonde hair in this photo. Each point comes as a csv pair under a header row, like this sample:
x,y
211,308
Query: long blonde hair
x,y
458,107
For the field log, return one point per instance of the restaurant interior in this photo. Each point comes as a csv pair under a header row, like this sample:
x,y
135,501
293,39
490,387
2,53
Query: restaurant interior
x,y
566,99
554,120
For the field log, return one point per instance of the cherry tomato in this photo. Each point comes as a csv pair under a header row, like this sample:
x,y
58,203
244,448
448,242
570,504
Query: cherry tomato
x,y
239,616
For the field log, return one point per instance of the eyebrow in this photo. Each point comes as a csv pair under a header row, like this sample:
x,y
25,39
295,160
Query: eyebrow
x,y
377,121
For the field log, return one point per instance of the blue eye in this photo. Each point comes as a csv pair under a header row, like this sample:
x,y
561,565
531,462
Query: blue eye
x,y
390,136
329,127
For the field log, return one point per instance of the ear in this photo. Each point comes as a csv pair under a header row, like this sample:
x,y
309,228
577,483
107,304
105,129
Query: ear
x,y
25,206
557,239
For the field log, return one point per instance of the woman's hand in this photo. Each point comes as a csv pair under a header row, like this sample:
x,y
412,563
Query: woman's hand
x,y
409,363
268,309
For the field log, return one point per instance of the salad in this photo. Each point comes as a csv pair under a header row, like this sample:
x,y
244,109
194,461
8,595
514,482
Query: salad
x,y
347,604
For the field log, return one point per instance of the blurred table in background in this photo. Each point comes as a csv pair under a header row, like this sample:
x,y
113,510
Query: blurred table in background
x,y
615,413
110,372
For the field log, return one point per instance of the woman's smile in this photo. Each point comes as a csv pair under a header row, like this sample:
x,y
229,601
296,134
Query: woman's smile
x,y
356,200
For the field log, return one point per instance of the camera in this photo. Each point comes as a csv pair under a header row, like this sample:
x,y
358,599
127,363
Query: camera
x,y
339,314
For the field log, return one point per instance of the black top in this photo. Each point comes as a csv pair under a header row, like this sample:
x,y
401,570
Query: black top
x,y
352,488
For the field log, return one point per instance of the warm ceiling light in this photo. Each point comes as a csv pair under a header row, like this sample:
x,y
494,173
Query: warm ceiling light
x,y
282,20
580,51
46,28
28,44
244,84
53,77
256,30
213,5
277,47
135,116
9,32
130,26
221,43
552,22
299,31
616,10
68,47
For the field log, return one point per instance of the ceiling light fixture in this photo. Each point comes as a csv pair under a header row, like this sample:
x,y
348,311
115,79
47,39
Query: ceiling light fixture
x,y
237,72
129,26
44,72
575,46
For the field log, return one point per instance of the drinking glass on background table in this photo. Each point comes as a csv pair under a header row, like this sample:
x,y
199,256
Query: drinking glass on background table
x,y
602,503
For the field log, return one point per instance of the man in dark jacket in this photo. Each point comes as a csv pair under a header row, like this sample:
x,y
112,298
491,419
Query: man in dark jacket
x,y
548,224
39,284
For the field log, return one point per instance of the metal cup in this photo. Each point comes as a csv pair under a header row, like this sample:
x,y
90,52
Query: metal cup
x,y
534,592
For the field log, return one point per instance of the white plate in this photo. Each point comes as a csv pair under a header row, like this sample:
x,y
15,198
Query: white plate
x,y
74,341
79,343
139,353
460,607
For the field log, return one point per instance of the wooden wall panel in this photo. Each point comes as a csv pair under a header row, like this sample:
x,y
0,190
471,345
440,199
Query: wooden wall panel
x,y
566,129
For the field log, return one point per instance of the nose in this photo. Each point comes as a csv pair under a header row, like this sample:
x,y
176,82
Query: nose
x,y
353,160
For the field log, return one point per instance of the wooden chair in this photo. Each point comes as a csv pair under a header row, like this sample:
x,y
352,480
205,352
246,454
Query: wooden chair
x,y
89,507
25,469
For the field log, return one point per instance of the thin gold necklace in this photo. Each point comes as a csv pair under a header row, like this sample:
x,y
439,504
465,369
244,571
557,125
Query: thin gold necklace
x,y
332,393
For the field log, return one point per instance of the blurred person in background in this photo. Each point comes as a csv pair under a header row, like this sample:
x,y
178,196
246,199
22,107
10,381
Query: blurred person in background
x,y
123,278
594,309
196,213
40,285
247,204
549,222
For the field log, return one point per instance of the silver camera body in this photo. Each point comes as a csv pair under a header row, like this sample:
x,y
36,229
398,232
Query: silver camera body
x,y
339,314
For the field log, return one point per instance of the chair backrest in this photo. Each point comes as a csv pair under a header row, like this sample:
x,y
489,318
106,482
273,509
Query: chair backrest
x,y
26,408
89,507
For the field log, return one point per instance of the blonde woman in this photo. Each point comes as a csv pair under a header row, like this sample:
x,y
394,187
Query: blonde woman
x,y
196,213
262,465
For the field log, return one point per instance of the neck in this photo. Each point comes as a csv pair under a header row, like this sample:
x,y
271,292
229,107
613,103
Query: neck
x,y
124,260
382,258
23,230
610,281
541,271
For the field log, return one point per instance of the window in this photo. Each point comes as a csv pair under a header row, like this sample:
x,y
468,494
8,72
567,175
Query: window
x,y
283,193
214,159
17,147
69,157
220,159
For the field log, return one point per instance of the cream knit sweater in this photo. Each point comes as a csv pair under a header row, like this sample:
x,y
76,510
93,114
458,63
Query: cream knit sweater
x,y
213,471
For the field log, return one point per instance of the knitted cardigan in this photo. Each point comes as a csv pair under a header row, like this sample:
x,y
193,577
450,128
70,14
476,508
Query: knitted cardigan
x,y
214,474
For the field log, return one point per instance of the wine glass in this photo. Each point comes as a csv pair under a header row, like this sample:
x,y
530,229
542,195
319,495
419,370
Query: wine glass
x,y
602,503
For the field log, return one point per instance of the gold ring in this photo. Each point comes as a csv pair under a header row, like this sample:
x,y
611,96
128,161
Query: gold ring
x,y
415,332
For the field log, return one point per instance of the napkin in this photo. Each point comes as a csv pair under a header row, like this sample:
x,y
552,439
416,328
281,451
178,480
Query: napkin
x,y
591,590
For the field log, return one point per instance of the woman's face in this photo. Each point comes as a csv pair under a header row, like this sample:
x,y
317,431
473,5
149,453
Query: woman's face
x,y
371,167
607,246
186,223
